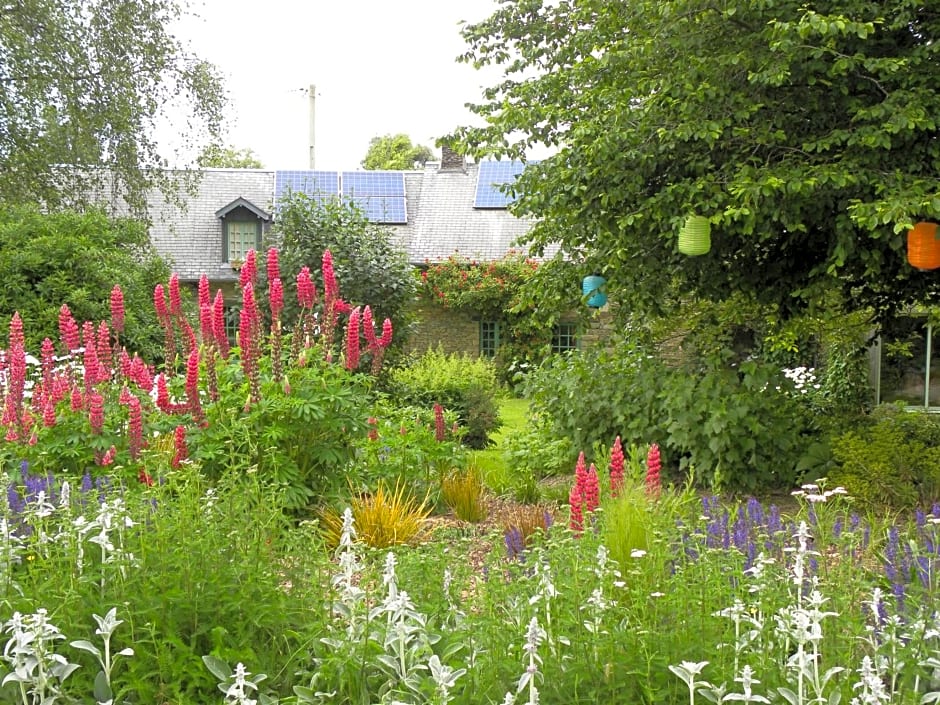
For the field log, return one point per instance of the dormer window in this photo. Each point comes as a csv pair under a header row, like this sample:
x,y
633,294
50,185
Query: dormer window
x,y
243,224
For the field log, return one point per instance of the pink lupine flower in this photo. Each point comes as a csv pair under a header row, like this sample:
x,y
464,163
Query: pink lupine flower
x,y
273,268
48,414
144,478
592,493
192,385
159,302
580,474
306,291
373,434
176,305
248,330
108,457
352,340
163,396
576,512
616,468
47,362
76,401
368,328
90,354
96,412
439,430
330,285
204,297
206,330
218,324
276,296
653,465
249,272
135,427
68,330
386,338
181,451
117,309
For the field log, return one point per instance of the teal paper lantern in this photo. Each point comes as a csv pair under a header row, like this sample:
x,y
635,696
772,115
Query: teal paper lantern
x,y
695,236
591,288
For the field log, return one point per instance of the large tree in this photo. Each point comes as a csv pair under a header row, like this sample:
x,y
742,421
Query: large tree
x,y
396,153
83,84
215,156
806,132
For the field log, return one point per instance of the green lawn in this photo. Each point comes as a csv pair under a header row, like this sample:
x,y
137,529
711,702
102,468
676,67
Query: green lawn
x,y
514,414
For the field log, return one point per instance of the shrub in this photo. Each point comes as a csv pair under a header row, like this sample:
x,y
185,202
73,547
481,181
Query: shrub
x,y
895,461
738,428
459,383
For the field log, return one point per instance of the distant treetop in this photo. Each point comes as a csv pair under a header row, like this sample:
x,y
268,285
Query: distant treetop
x,y
395,153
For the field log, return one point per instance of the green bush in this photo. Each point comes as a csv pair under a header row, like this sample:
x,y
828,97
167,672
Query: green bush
x,y
894,461
738,428
459,383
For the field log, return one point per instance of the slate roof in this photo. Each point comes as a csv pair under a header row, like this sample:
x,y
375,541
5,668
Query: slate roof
x,y
441,219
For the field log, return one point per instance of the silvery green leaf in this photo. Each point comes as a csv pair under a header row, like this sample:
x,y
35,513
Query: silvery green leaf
x,y
83,645
789,696
218,667
835,697
929,698
524,681
126,651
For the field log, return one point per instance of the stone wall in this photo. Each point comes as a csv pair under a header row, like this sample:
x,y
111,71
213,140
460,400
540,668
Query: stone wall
x,y
454,332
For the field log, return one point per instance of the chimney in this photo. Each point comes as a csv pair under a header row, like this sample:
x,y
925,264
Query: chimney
x,y
451,161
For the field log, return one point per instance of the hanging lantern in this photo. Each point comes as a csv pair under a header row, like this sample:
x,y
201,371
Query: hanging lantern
x,y
923,247
591,288
695,236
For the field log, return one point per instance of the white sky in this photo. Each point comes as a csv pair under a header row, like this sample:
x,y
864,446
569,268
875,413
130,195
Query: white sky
x,y
379,66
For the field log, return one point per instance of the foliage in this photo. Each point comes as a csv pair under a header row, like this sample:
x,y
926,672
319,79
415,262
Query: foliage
x,y
297,440
773,120
216,156
395,153
181,561
522,523
83,85
893,461
370,268
737,428
401,445
72,258
497,291
385,517
459,383
463,491
535,451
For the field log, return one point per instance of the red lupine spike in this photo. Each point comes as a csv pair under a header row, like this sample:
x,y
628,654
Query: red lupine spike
x,y
386,338
273,268
117,309
616,468
352,340
176,305
653,466
276,297
204,297
68,330
159,302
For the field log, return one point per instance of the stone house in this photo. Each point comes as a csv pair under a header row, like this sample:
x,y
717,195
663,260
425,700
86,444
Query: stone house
x,y
450,207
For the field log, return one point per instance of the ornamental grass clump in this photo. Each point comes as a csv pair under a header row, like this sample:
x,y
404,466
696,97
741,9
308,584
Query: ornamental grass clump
x,y
463,491
383,518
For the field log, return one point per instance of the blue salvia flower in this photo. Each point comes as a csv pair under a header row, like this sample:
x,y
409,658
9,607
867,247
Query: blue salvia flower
x,y
774,522
891,555
837,528
922,568
899,595
755,511
920,518
87,483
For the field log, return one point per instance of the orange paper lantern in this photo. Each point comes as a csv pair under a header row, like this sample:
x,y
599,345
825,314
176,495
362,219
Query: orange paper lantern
x,y
923,247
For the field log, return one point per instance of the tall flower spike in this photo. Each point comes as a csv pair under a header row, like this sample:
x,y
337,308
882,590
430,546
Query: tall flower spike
x,y
440,433
330,285
249,272
616,468
117,309
368,329
181,451
176,304
68,330
273,268
576,510
276,297
352,340
218,324
592,498
306,292
653,465
204,298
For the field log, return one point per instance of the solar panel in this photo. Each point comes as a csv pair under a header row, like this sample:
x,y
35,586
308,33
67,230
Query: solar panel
x,y
312,183
380,194
373,183
382,209
491,177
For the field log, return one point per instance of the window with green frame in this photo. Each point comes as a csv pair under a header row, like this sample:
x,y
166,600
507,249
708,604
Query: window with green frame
x,y
564,337
908,363
240,236
489,338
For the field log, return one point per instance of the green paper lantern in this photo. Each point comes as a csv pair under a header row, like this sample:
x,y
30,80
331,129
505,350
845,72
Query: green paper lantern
x,y
695,236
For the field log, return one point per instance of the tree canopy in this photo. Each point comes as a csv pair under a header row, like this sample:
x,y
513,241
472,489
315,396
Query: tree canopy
x,y
370,267
83,84
215,156
805,132
47,260
395,153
